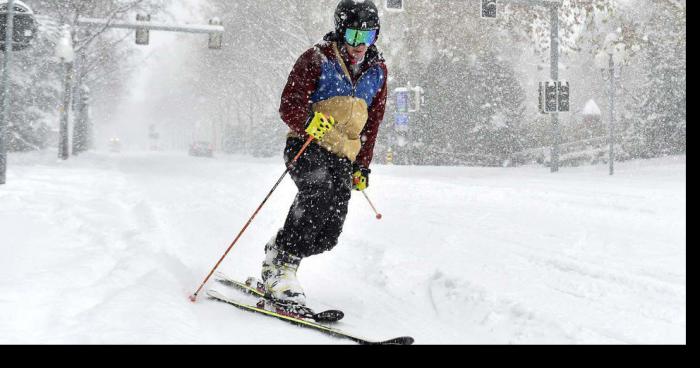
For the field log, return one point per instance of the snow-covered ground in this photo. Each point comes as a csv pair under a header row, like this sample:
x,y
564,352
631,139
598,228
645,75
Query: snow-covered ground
x,y
106,248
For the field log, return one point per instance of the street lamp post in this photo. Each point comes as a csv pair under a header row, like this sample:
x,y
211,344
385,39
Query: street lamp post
x,y
611,125
65,53
613,52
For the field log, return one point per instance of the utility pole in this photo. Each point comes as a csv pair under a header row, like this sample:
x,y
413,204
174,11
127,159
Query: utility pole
x,y
6,62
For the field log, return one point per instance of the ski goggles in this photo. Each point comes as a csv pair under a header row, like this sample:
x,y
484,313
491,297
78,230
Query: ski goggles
x,y
356,37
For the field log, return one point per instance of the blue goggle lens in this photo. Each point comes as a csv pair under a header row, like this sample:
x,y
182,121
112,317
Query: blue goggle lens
x,y
356,37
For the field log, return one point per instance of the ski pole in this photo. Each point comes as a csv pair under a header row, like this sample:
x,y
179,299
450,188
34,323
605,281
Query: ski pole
x,y
378,215
193,297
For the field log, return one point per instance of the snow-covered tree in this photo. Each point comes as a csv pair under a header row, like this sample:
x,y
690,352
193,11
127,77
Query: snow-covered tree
x,y
98,52
35,92
659,125
243,81
36,74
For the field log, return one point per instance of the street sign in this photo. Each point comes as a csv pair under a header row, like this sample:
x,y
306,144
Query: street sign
x,y
402,100
401,119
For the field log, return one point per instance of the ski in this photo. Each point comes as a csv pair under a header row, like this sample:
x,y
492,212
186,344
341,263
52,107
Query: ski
x,y
405,340
254,287
251,286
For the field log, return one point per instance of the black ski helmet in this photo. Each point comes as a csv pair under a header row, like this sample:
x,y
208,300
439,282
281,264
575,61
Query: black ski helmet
x,y
356,14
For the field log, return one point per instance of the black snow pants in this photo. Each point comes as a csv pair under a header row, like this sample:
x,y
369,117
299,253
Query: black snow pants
x,y
318,213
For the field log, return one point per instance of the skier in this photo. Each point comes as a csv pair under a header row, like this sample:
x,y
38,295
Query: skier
x,y
336,92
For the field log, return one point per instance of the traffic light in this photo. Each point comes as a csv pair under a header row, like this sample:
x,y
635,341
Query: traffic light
x,y
554,96
550,97
394,4
24,25
142,34
563,91
488,8
215,39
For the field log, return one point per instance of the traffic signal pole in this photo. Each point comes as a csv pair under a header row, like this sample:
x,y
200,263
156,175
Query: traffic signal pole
x,y
489,11
554,71
211,29
73,93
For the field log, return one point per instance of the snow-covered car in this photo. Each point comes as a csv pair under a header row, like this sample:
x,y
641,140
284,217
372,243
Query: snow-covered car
x,y
115,145
202,149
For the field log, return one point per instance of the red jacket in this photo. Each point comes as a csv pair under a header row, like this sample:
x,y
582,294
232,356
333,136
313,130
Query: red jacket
x,y
303,82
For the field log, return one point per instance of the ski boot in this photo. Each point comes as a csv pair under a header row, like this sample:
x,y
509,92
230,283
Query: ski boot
x,y
279,276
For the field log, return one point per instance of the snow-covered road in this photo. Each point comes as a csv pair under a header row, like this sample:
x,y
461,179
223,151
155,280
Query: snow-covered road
x,y
105,248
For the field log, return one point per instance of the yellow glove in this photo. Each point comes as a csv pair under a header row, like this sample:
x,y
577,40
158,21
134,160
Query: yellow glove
x,y
360,179
320,125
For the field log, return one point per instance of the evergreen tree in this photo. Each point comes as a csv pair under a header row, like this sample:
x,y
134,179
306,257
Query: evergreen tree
x,y
480,107
499,135
662,110
35,91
